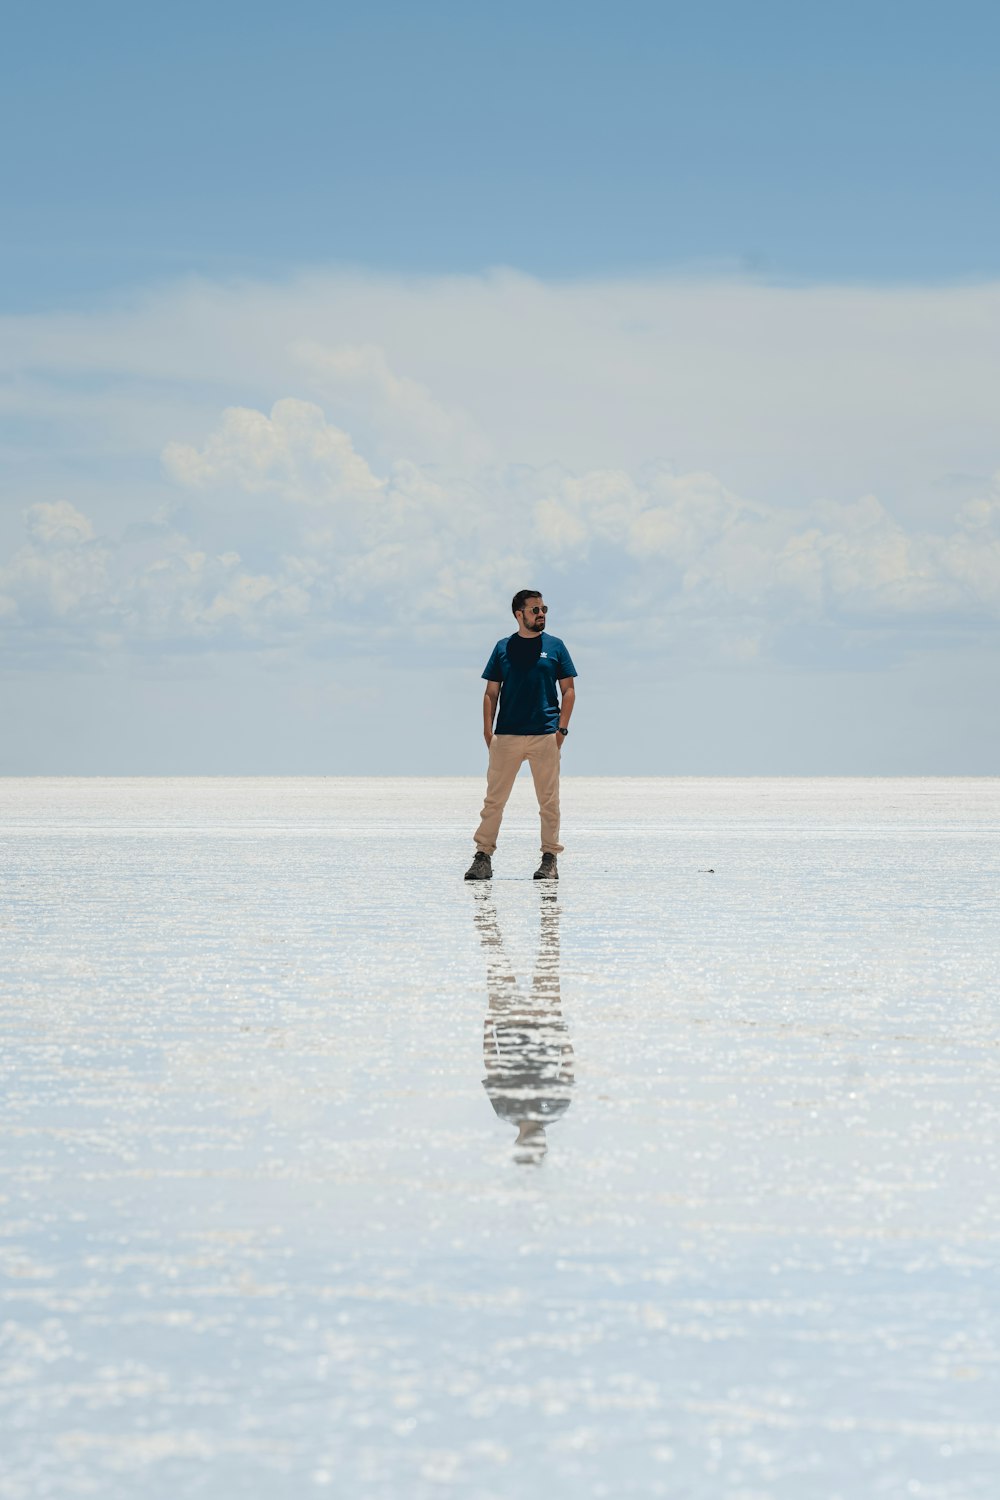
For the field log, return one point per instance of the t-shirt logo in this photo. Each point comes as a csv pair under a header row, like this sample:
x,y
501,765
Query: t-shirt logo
x,y
545,653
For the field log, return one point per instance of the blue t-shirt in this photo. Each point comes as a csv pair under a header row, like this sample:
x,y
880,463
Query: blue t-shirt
x,y
528,670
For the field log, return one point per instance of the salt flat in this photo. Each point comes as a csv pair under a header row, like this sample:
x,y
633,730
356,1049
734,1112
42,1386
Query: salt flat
x,y
325,1172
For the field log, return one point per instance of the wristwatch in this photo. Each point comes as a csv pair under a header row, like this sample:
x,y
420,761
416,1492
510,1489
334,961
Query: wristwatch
x,y
562,731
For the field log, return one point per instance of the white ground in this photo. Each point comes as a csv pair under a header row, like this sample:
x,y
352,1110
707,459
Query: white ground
x,y
266,1233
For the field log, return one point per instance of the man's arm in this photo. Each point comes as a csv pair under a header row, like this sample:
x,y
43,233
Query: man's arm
x,y
567,694
490,699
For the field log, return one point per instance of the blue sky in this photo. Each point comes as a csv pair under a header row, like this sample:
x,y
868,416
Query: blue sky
x,y
324,328
853,141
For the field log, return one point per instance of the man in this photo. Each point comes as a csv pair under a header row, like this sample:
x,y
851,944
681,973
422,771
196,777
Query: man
x,y
531,726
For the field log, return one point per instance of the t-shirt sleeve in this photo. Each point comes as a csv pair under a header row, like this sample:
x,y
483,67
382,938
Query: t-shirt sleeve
x,y
566,667
492,672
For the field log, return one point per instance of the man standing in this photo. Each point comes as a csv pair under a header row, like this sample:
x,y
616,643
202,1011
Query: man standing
x,y
533,722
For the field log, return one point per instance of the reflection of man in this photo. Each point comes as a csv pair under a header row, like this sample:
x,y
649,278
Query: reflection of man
x,y
522,675
526,1048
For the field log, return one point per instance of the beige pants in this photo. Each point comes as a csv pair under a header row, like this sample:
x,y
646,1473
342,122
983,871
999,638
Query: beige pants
x,y
508,752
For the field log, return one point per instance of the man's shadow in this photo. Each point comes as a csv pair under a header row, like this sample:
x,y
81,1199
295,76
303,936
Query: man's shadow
x,y
526,1047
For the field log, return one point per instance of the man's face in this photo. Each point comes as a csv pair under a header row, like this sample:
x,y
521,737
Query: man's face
x,y
533,614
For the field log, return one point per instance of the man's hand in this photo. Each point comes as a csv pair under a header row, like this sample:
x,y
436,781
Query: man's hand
x,y
567,702
488,737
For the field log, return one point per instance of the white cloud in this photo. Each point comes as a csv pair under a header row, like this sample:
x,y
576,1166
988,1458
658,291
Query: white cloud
x,y
59,577
790,394
364,454
188,597
397,412
58,524
337,546
294,453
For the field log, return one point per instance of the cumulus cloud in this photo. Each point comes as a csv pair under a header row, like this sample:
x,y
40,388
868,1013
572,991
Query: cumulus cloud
x,y
342,547
709,549
293,453
399,413
58,524
725,458
58,579
788,393
187,597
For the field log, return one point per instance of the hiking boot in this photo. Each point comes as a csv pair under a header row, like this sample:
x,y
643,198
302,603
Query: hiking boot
x,y
548,869
481,867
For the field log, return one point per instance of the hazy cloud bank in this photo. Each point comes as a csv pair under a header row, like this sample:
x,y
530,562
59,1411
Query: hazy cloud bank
x,y
316,542
273,469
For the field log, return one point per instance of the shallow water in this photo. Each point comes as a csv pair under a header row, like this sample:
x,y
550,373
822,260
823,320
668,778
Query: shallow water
x,y
323,1171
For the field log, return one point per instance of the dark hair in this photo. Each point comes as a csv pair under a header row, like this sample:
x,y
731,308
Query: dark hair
x,y
521,598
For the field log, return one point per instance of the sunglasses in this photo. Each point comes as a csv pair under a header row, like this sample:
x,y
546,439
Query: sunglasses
x,y
541,609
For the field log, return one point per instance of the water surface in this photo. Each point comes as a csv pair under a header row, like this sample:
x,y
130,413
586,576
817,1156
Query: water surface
x,y
323,1171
